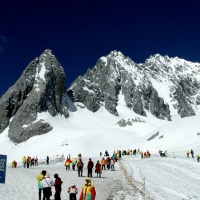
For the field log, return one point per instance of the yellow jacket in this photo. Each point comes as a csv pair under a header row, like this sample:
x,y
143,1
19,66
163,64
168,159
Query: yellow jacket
x,y
39,177
103,162
74,160
24,159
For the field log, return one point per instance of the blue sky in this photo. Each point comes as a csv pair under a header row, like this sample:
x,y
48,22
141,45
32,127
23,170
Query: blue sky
x,y
80,32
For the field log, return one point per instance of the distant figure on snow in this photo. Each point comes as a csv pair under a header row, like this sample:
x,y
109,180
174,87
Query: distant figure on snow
x,y
192,153
103,164
74,161
80,167
187,153
36,161
98,169
112,164
47,160
67,163
198,157
24,161
90,167
14,164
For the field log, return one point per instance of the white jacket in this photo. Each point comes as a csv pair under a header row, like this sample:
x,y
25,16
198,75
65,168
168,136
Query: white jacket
x,y
47,182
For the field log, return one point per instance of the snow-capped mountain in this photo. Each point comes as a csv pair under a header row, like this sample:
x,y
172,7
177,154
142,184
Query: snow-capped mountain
x,y
164,87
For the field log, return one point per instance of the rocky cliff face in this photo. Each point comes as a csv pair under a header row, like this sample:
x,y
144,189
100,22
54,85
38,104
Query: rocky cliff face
x,y
163,86
39,89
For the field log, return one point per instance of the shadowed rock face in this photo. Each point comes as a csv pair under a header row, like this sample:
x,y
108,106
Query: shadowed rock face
x,y
39,89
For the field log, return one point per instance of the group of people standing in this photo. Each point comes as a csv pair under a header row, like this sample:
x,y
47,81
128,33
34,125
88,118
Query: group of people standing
x,y
188,152
79,164
28,161
45,184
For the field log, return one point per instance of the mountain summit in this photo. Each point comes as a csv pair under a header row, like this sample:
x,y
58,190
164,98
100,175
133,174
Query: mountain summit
x,y
39,89
165,87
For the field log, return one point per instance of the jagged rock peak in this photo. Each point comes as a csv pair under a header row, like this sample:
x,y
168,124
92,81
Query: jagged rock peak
x,y
39,89
115,54
141,86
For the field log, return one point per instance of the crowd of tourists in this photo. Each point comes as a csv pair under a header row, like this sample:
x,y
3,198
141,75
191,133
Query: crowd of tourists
x,y
88,192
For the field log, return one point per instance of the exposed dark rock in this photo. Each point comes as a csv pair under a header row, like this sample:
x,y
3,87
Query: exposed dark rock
x,y
161,137
122,123
129,122
153,136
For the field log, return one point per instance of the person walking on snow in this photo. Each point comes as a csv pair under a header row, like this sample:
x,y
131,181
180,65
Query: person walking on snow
x,y
192,153
73,191
24,161
88,191
39,178
98,169
112,164
80,167
58,188
47,183
74,161
28,161
187,153
198,157
14,164
47,159
108,163
36,161
103,164
67,163
90,167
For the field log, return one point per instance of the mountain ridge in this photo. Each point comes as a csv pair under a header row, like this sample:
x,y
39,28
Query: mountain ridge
x,y
165,87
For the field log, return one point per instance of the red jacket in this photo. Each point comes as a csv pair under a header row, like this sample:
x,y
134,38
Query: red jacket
x,y
98,168
58,184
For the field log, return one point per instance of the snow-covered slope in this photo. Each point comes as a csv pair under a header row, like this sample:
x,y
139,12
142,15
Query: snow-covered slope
x,y
90,133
